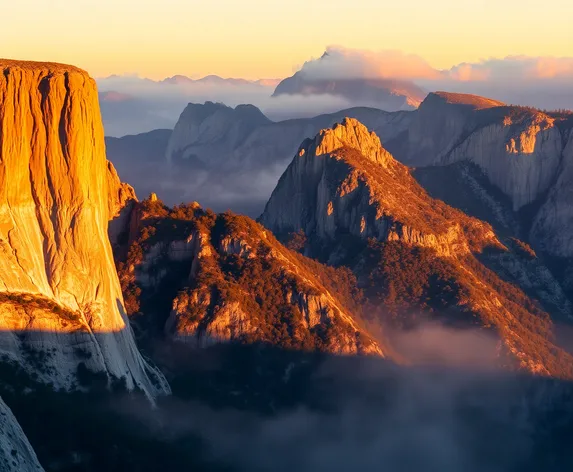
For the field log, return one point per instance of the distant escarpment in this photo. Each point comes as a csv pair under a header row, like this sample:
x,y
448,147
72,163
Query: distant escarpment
x,y
348,202
523,152
205,279
518,148
61,306
553,224
212,134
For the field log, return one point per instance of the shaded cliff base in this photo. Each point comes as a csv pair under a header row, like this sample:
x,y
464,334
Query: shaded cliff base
x,y
255,407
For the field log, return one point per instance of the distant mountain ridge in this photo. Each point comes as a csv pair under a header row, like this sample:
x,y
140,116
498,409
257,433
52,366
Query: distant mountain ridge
x,y
386,94
204,131
210,79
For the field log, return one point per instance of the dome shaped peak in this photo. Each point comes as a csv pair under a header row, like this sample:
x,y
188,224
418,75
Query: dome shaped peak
x,y
354,135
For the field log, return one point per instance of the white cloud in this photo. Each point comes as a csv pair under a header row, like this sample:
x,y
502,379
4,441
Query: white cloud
x,y
344,63
514,68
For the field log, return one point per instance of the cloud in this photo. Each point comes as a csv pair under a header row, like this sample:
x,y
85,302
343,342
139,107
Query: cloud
x,y
344,63
514,68
132,105
369,415
544,82
339,62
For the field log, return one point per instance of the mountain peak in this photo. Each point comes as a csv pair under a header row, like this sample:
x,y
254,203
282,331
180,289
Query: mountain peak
x,y
346,164
177,79
474,101
210,123
349,134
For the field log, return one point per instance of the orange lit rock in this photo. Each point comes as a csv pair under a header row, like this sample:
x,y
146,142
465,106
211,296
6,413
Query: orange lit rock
x,y
57,193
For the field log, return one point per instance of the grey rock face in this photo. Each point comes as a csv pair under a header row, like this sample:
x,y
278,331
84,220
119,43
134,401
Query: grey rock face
x,y
214,134
553,226
518,149
16,453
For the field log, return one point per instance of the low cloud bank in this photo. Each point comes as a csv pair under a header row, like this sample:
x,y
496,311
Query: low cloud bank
x,y
474,417
131,104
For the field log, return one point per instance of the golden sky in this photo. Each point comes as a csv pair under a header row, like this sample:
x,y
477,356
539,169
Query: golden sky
x,y
271,38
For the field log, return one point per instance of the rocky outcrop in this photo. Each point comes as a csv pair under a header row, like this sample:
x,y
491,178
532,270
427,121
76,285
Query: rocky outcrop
x,y
343,180
231,281
519,149
57,194
16,454
205,317
359,207
121,203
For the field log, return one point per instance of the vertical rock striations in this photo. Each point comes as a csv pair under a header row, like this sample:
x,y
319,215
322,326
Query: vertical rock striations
x,y
59,289
552,227
518,148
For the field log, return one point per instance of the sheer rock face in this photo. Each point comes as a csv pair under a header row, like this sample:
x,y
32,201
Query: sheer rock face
x,y
212,126
518,149
16,453
345,181
57,194
552,226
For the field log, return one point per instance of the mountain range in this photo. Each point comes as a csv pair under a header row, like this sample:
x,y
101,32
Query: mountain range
x,y
369,299
339,79
518,153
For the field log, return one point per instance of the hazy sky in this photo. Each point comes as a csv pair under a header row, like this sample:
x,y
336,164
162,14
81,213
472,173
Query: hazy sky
x,y
271,38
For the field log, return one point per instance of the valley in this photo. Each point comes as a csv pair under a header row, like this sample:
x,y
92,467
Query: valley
x,y
272,295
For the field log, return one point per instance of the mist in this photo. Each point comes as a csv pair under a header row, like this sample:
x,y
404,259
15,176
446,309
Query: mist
x,y
370,414
132,105
544,82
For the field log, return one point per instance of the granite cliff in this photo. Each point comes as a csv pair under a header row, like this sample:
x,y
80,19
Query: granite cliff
x,y
519,149
60,296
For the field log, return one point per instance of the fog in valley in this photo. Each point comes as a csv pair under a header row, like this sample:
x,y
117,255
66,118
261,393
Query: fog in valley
x,y
450,406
